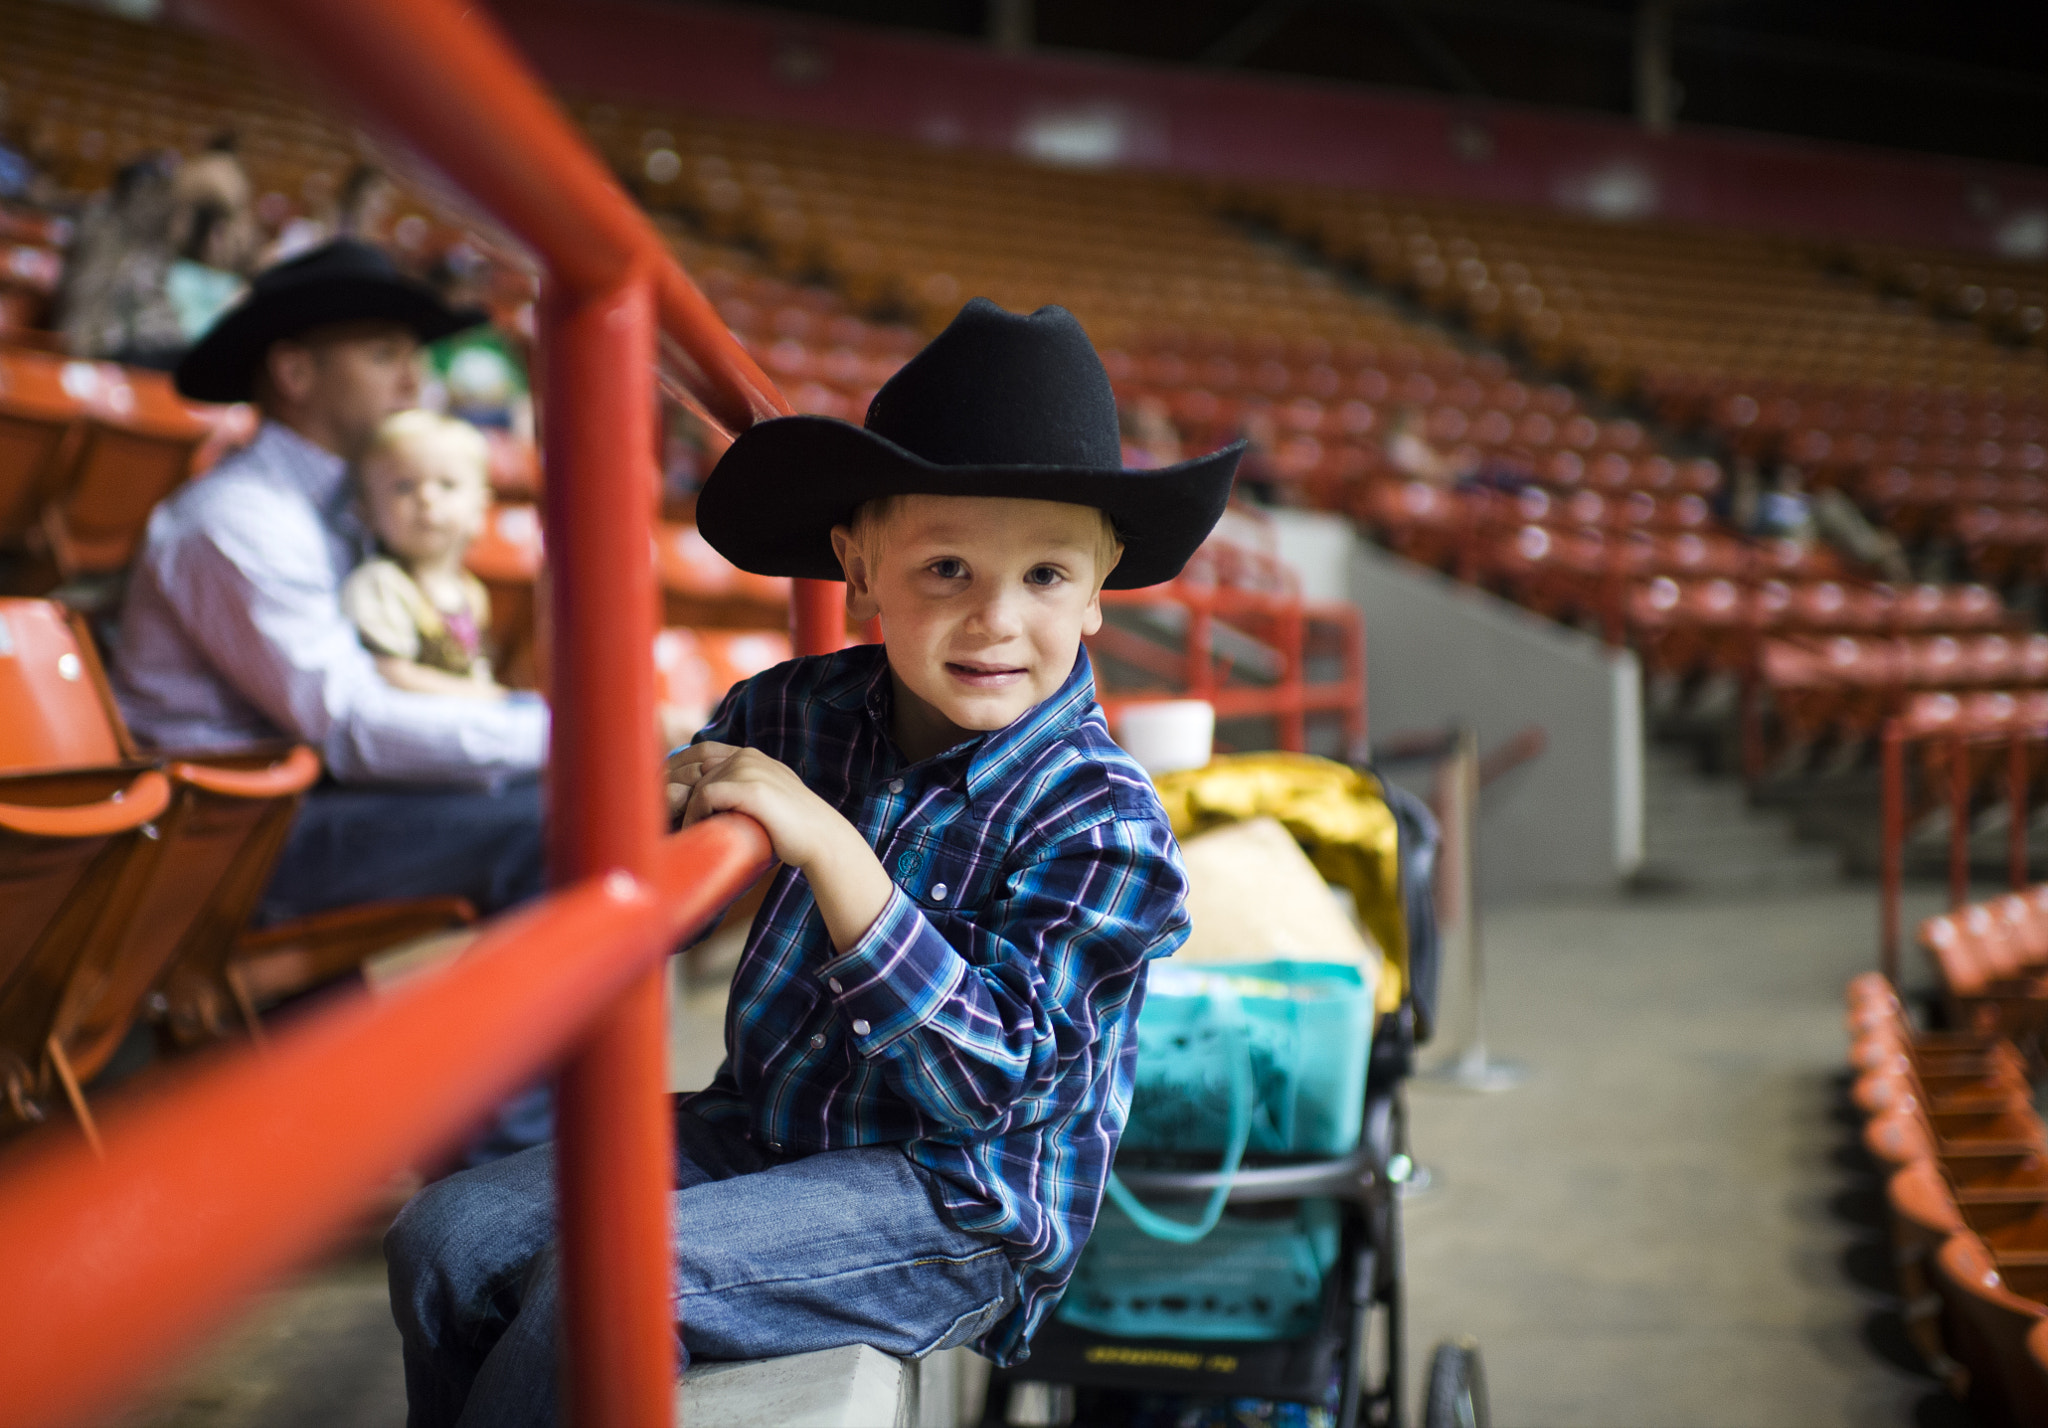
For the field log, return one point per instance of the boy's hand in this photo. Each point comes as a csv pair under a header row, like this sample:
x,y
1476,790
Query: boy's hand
x,y
808,833
712,778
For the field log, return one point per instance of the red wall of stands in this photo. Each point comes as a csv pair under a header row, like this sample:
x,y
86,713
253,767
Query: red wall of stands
x,y
761,65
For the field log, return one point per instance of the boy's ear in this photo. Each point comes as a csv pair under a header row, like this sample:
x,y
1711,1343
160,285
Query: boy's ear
x,y
1091,618
860,595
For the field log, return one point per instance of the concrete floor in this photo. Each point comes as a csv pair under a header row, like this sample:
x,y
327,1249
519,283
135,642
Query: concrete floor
x,y
1665,1225
1668,1222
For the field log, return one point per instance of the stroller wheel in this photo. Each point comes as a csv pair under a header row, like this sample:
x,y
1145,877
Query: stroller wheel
x,y
1455,1396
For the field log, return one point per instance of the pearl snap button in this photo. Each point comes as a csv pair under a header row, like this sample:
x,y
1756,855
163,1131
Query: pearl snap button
x,y
938,892
833,983
895,785
818,1042
860,1026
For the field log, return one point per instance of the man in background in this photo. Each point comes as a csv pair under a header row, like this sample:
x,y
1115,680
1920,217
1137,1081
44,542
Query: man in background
x,y
233,631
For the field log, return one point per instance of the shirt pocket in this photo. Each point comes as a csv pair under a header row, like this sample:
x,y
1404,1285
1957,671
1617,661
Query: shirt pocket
x,y
945,874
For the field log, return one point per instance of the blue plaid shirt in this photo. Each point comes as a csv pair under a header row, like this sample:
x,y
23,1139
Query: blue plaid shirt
x,y
985,1021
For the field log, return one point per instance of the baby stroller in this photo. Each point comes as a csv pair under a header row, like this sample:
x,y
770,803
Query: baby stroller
x,y
1342,1362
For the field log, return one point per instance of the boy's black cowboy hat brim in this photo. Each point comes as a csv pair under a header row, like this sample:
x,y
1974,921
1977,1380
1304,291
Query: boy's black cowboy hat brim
x,y
785,483
1000,404
341,281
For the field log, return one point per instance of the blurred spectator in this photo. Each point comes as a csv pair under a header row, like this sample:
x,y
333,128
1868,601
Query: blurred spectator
x,y
203,280
363,208
420,612
1414,455
1150,439
213,193
17,174
114,301
360,209
233,632
1785,510
477,375
1411,453
1782,509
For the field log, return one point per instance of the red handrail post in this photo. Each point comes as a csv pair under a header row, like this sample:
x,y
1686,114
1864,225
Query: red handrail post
x,y
817,616
1891,849
614,1137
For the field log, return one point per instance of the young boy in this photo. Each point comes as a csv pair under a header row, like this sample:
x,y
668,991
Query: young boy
x,y
425,490
929,1037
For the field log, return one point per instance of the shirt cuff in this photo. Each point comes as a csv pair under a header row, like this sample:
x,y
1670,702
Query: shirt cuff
x,y
895,978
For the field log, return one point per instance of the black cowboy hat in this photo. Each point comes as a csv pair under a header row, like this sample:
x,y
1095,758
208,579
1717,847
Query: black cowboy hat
x,y
999,404
341,281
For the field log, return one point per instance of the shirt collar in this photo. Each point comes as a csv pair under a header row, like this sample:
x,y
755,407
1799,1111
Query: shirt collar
x,y
866,687
320,475
1000,753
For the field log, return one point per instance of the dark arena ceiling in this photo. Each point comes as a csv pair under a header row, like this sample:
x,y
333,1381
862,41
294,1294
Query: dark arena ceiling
x,y
1965,78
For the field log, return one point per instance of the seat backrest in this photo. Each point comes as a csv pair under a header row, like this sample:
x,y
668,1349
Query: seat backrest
x,y
69,845
122,471
221,839
33,444
1990,1324
56,711
2037,1357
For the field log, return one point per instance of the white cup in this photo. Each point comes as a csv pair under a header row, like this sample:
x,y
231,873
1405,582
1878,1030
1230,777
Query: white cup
x,y
1167,735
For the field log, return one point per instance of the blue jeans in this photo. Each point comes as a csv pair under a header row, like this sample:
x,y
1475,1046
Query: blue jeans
x,y
361,843
774,1255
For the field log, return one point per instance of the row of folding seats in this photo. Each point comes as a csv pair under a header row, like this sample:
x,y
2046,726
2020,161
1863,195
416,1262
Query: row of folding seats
x,y
127,883
1695,626
1742,335
1625,302
1919,505
892,224
87,449
2009,296
91,91
1844,687
1951,1125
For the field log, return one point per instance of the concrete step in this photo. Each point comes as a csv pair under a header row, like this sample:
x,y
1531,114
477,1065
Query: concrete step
x,y
1800,872
1721,841
1702,834
855,1387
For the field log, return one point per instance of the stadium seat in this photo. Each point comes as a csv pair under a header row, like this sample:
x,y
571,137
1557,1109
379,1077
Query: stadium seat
x,y
1923,1218
68,845
1993,1303
169,917
58,713
95,515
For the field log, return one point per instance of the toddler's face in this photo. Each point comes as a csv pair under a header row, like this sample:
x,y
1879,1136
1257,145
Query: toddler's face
x,y
983,602
426,502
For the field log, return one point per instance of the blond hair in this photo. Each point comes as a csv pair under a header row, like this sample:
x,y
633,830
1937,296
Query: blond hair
x,y
423,430
870,523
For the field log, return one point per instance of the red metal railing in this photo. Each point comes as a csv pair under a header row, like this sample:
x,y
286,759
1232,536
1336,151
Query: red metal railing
x,y
243,1169
1970,736
1258,599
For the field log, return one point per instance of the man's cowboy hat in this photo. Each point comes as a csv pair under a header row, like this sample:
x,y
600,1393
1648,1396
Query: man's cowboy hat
x,y
341,281
999,404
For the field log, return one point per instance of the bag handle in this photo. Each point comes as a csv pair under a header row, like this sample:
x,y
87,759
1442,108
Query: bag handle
x,y
1228,1013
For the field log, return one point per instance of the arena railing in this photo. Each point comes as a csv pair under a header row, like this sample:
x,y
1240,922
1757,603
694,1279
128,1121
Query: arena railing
x,y
233,1172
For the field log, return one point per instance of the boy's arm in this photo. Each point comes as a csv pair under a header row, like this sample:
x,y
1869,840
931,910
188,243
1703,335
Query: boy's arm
x,y
1005,1022
845,876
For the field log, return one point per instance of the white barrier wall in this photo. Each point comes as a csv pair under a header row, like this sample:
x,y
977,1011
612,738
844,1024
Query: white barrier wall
x,y
1438,652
